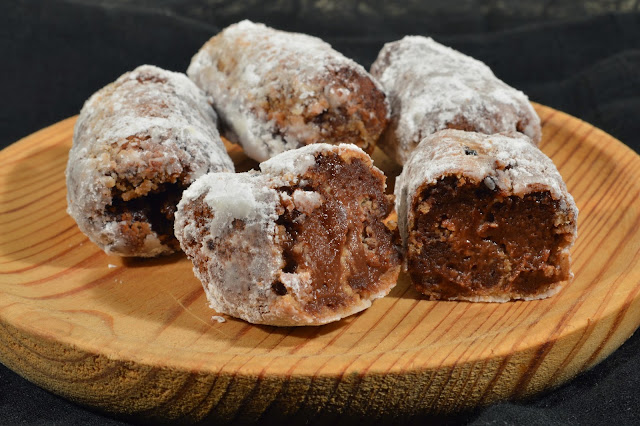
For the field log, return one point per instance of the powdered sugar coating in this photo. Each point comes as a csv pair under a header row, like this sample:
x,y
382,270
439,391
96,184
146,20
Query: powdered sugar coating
x,y
433,87
254,259
296,163
509,163
276,91
149,128
228,226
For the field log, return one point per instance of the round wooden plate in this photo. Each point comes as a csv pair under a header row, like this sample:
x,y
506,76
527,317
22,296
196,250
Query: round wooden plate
x,y
136,336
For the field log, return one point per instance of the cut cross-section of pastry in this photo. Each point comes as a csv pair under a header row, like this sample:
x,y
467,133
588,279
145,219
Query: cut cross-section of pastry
x,y
137,144
276,91
484,218
306,241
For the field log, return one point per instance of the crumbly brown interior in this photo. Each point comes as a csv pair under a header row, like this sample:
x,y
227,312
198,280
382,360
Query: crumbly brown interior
x,y
469,241
344,244
359,120
199,212
145,215
145,200
462,123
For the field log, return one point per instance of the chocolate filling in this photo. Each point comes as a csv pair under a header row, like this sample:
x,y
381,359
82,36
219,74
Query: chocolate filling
x,y
468,240
153,212
343,243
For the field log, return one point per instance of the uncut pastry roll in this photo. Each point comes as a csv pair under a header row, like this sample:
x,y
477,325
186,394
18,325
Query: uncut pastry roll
x,y
484,218
276,91
432,87
306,241
137,144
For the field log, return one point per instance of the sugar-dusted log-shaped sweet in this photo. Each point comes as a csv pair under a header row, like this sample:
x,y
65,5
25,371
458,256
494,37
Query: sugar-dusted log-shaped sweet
x,y
276,91
305,241
137,144
432,87
484,218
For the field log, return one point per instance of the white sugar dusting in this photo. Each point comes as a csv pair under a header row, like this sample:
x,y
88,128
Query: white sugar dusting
x,y
243,196
306,201
249,65
227,223
431,86
148,121
237,236
297,162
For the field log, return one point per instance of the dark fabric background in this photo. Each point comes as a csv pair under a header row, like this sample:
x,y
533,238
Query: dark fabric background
x,y
579,57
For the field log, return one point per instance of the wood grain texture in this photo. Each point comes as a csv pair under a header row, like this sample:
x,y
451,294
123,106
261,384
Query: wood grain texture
x,y
136,336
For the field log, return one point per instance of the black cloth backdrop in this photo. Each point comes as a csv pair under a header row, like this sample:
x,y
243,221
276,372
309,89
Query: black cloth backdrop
x,y
580,57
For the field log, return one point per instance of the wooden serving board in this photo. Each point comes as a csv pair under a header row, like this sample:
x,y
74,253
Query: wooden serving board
x,y
136,336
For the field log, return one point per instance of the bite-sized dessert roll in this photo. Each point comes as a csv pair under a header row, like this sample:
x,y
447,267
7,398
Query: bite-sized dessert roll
x,y
432,87
276,91
484,218
137,144
306,241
